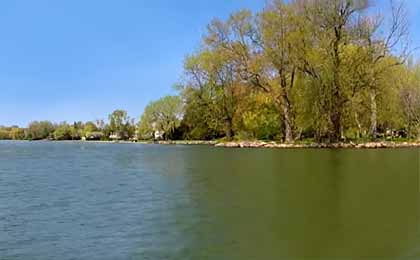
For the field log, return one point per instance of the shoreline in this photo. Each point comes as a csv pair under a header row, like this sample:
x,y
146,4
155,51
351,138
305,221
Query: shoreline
x,y
351,145
259,144
276,145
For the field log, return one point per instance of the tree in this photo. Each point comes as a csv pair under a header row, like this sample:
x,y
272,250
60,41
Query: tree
x,y
119,123
259,117
88,128
4,134
410,101
163,115
232,43
331,23
279,31
17,133
38,130
63,132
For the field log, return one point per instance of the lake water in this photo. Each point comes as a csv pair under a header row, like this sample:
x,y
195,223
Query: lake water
x,y
129,201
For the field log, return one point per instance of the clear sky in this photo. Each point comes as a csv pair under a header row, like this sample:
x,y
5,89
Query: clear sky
x,y
79,60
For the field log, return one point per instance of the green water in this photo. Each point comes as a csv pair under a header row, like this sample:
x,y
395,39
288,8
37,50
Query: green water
x,y
109,201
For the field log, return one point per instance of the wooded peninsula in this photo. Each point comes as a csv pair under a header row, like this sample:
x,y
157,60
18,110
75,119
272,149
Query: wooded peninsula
x,y
321,71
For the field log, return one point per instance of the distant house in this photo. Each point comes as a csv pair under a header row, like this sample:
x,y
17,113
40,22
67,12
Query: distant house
x,y
94,136
115,136
157,134
136,136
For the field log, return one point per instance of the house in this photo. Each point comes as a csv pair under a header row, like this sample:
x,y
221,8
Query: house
x,y
115,136
94,136
158,135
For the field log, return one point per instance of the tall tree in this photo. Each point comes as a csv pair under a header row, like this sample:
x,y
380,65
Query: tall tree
x,y
163,115
119,122
211,78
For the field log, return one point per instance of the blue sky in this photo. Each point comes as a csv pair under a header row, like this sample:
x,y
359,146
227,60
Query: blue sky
x,y
79,60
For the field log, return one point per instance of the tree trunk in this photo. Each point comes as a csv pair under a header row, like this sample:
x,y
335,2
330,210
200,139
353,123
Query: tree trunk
x,y
228,129
336,114
359,126
373,115
288,132
286,106
336,121
335,117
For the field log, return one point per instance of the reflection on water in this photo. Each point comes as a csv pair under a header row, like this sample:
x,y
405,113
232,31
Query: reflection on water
x,y
107,201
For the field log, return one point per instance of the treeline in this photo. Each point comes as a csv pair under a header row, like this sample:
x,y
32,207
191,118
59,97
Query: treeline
x,y
322,70
119,127
328,70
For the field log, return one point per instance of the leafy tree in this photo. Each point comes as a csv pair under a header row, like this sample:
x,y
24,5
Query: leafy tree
x,y
17,133
259,118
88,128
410,101
38,130
119,123
163,115
4,134
63,132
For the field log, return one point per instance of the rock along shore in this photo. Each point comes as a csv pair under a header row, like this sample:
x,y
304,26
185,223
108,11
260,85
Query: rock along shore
x,y
262,144
371,145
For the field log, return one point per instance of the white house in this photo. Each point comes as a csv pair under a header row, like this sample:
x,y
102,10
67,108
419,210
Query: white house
x,y
157,134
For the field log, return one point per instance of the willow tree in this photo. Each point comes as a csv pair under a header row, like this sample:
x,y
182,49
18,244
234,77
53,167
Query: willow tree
x,y
280,26
211,80
331,24
386,45
325,64
260,48
410,100
230,42
163,115
202,119
121,125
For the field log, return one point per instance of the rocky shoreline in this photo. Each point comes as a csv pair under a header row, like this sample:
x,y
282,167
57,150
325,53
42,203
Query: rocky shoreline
x,y
370,145
273,145
262,144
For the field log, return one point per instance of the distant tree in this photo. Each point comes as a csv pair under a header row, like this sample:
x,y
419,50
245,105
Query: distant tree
x,y
17,133
4,134
63,132
211,90
89,128
38,130
100,124
131,128
163,115
119,123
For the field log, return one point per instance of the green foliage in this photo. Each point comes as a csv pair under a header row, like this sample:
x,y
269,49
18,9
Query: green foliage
x,y
259,118
4,134
63,132
163,115
120,125
17,133
39,130
324,68
89,128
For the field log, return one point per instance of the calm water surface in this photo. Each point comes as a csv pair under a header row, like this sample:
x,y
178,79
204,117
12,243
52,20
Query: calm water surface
x,y
110,201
